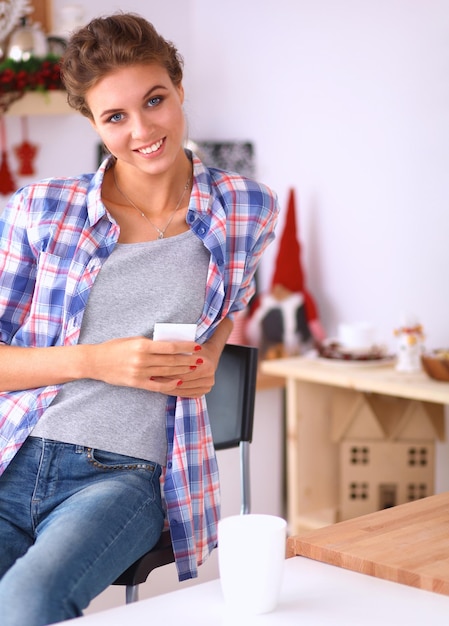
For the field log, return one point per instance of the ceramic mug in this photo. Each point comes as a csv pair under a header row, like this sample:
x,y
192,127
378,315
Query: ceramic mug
x,y
251,556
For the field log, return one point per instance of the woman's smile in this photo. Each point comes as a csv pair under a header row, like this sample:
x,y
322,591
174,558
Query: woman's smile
x,y
151,149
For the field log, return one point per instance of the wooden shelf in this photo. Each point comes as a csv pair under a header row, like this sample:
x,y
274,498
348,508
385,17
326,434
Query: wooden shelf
x,y
37,103
266,381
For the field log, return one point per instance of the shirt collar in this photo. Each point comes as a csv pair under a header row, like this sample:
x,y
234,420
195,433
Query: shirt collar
x,y
95,207
201,200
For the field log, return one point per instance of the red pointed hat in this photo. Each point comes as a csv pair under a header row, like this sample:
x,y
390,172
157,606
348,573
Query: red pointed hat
x,y
288,271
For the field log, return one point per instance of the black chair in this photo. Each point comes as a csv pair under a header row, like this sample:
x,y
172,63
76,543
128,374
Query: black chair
x,y
231,410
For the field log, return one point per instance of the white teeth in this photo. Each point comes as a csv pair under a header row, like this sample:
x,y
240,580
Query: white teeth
x,y
152,148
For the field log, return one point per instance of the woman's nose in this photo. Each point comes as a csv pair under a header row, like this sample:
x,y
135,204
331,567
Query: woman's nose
x,y
139,127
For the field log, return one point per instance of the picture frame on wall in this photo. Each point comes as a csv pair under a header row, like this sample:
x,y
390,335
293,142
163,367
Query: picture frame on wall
x,y
234,156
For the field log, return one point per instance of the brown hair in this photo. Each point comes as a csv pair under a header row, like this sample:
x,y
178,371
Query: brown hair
x,y
108,43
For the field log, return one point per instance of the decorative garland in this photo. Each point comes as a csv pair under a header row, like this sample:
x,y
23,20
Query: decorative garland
x,y
35,74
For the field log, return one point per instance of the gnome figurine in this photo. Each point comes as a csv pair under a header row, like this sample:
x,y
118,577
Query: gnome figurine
x,y
284,322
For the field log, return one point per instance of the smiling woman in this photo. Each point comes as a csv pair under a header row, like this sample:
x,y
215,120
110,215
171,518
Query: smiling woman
x,y
88,265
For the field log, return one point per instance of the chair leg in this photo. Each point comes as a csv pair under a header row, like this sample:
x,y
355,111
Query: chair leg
x,y
132,593
245,478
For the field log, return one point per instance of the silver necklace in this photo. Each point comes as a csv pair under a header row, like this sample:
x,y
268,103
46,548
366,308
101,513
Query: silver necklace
x,y
160,232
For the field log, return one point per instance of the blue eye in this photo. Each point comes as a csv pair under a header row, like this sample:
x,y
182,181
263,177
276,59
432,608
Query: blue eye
x,y
117,117
152,102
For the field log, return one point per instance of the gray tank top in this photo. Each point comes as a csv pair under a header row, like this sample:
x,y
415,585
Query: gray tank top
x,y
138,285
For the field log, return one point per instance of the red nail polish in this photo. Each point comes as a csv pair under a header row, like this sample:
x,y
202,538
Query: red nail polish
x,y
193,367
179,383
199,361
197,348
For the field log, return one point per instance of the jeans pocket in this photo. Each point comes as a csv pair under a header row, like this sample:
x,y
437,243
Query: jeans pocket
x,y
139,475
113,461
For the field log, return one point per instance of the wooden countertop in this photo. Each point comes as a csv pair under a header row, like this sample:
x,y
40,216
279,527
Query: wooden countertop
x,y
408,544
383,379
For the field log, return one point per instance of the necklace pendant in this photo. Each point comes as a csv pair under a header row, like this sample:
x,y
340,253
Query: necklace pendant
x,y
161,235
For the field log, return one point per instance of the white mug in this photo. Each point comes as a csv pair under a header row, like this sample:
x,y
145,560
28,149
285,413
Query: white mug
x,y
357,336
251,555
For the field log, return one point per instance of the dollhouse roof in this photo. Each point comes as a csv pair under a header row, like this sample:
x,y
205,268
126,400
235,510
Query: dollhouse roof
x,y
357,415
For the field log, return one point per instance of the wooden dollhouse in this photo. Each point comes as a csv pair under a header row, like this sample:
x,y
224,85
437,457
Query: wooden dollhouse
x,y
386,450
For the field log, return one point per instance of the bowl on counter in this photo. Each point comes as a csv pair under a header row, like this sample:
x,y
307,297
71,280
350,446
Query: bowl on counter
x,y
436,364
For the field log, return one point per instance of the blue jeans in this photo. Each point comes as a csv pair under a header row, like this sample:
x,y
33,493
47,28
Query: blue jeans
x,y
71,520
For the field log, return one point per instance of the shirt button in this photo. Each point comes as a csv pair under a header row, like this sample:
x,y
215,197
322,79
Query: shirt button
x,y
169,465
201,230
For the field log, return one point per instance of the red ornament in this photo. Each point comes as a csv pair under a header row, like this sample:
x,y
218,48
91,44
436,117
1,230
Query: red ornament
x,y
25,152
7,183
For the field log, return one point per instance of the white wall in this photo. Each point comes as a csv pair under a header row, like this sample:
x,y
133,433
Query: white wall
x,y
349,103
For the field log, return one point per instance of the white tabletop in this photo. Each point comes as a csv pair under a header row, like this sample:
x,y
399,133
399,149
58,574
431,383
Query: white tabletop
x,y
313,593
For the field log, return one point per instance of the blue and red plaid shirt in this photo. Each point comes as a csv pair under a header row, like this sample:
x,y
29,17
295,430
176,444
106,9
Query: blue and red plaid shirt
x,y
54,238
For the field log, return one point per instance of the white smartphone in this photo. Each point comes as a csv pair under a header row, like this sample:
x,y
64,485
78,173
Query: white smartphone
x,y
174,332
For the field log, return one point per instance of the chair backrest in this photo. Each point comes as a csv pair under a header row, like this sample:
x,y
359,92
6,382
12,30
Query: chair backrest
x,y
230,403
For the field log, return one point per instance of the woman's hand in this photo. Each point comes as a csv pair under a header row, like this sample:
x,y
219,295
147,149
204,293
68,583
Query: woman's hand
x,y
198,380
142,363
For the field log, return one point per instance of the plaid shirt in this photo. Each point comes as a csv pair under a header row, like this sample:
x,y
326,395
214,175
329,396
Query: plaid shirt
x,y
54,237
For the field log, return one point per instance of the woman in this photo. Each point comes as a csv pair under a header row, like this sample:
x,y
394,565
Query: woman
x,y
95,414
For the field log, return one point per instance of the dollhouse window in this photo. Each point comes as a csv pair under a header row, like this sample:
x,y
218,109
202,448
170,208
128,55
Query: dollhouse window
x,y
418,457
359,455
358,491
416,491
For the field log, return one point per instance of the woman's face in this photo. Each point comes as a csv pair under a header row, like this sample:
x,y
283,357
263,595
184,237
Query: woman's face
x,y
137,111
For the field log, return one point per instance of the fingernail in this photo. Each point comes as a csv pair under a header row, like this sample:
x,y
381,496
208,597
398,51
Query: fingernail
x,y
151,377
179,383
197,348
193,367
199,361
